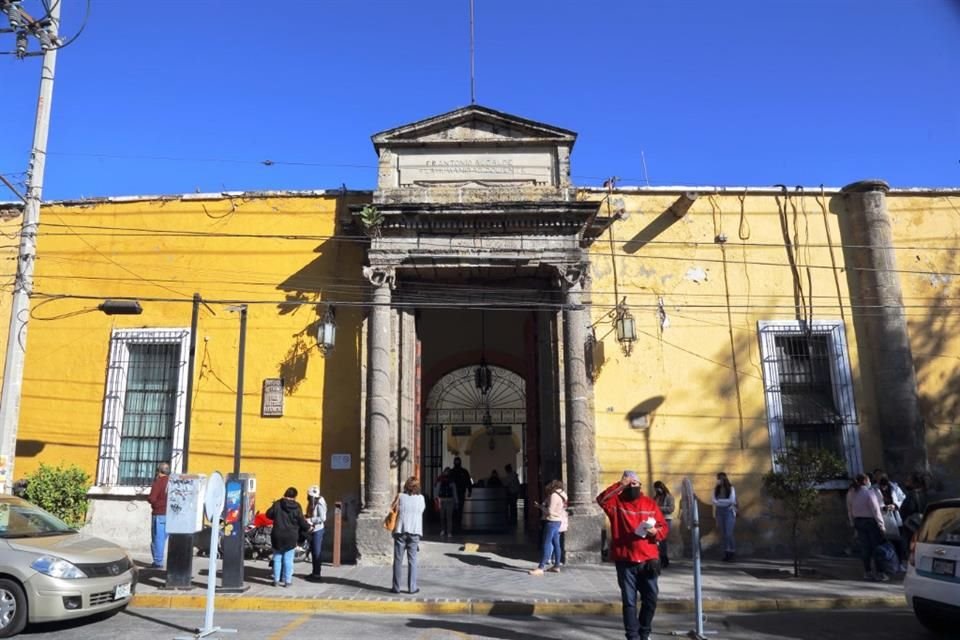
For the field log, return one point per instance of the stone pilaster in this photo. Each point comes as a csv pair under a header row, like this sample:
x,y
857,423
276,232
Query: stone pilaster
x,y
586,522
882,334
373,542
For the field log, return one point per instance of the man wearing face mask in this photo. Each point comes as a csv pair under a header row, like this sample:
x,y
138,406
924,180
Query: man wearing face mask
x,y
636,528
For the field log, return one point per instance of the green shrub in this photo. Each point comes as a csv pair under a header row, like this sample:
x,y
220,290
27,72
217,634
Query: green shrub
x,y
797,486
60,490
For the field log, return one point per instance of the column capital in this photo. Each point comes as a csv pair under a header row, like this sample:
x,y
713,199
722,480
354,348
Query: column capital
x,y
573,276
381,276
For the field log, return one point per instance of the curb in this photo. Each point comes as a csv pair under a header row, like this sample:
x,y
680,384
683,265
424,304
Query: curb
x,y
442,606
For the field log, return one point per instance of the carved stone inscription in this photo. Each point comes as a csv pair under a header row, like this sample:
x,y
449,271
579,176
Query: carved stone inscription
x,y
427,167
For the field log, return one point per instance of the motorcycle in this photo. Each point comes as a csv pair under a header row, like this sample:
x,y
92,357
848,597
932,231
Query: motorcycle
x,y
256,541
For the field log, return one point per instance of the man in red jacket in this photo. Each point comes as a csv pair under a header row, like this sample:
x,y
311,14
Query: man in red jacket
x,y
158,510
636,526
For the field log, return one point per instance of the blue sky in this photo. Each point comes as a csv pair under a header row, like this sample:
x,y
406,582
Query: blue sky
x,y
749,92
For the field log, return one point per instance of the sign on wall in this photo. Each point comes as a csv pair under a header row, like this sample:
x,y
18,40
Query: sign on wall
x,y
340,461
272,403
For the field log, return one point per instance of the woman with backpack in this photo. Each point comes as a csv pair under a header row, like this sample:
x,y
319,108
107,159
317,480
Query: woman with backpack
x,y
288,525
317,517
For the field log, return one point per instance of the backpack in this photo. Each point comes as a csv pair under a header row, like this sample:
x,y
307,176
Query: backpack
x,y
885,557
446,488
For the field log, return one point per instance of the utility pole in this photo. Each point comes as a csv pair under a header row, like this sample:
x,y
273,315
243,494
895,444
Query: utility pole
x,y
23,287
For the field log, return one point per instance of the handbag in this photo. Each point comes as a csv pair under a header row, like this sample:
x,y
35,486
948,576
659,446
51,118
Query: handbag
x,y
891,525
390,521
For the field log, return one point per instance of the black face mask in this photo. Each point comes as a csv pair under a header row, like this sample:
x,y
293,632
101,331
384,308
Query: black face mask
x,y
631,493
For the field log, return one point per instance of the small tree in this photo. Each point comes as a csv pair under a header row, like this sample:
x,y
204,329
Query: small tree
x,y
796,485
60,490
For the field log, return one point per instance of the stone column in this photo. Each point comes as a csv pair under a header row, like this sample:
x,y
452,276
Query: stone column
x,y
583,536
881,326
372,544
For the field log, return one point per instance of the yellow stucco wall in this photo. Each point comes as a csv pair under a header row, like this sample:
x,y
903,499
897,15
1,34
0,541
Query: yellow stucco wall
x,y
926,232
161,252
714,295
689,369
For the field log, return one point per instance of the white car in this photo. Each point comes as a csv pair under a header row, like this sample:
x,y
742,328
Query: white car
x,y
932,583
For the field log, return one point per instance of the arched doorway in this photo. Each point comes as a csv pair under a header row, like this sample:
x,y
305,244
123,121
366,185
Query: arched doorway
x,y
487,430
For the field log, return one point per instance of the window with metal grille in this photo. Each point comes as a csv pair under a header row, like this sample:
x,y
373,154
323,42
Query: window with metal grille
x,y
146,438
144,406
809,389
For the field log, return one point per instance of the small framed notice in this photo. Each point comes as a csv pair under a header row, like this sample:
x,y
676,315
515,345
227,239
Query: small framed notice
x,y
272,403
340,461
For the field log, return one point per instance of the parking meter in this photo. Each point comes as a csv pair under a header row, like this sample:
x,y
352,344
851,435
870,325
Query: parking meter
x,y
238,509
185,495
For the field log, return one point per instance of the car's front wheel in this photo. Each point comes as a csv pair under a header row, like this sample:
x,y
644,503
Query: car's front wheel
x,y
13,608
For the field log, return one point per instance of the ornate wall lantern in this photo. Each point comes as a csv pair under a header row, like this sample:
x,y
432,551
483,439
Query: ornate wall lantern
x,y
327,332
626,328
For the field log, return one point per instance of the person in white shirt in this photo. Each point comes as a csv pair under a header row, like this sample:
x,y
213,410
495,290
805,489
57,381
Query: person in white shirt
x,y
317,517
407,533
725,511
864,513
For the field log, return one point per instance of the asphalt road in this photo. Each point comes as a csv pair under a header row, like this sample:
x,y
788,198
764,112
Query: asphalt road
x,y
161,624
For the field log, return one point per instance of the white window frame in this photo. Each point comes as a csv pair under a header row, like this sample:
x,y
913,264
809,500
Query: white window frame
x,y
842,385
108,464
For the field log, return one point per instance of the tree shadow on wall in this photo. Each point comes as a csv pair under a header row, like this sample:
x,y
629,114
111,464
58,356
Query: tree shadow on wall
x,y
930,288
332,278
308,291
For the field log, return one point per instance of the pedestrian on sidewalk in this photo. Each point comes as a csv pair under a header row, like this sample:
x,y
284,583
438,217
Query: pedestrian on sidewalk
x,y
446,493
464,484
288,525
512,484
158,517
559,553
891,497
317,517
407,533
551,516
725,511
914,503
665,501
864,514
636,526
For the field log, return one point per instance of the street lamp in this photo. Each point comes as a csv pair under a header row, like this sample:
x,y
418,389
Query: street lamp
x,y
120,307
327,332
238,428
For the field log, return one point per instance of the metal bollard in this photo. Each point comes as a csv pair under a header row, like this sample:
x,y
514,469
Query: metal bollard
x,y
337,531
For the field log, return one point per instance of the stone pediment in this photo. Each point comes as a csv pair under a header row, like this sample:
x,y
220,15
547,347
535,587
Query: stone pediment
x,y
474,125
473,148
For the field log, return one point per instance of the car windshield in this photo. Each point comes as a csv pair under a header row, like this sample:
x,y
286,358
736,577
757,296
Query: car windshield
x,y
28,521
941,526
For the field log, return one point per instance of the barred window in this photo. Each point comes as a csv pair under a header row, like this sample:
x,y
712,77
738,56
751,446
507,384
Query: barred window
x,y
144,406
809,389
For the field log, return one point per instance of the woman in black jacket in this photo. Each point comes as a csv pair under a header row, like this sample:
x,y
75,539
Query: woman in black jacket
x,y
288,525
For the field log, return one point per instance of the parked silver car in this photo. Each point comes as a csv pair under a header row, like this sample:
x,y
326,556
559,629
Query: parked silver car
x,y
49,571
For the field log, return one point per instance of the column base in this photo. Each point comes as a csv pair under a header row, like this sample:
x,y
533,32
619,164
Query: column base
x,y
374,543
584,536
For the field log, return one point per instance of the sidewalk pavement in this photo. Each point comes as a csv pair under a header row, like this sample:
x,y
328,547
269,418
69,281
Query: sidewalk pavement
x,y
458,580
